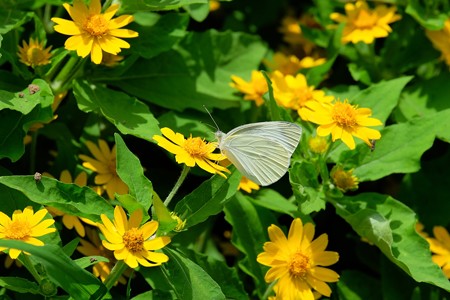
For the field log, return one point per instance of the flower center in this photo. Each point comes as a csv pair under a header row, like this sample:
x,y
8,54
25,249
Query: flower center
x,y
365,20
344,115
299,265
302,96
195,147
96,25
18,230
35,55
133,240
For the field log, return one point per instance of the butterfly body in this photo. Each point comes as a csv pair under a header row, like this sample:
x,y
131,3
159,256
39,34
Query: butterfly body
x,y
261,151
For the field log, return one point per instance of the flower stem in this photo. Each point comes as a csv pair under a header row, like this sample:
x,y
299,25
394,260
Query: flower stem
x,y
268,290
25,260
67,72
177,185
116,272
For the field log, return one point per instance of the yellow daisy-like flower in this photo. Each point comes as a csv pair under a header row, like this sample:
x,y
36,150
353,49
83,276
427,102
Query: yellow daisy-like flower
x,y
294,93
296,262
344,121
34,54
94,247
253,89
104,163
318,144
365,25
292,32
441,40
71,222
440,246
92,31
24,226
344,180
247,185
214,5
191,151
290,64
131,242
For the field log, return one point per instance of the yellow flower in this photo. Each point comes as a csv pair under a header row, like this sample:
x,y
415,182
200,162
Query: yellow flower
x,y
343,121
180,223
214,5
69,221
441,40
318,144
94,247
34,54
24,226
254,89
294,93
93,32
296,262
290,64
365,25
292,32
247,185
344,180
191,151
440,246
132,243
104,163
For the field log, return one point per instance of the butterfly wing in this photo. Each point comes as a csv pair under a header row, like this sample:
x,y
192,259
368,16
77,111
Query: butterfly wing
x,y
258,158
285,133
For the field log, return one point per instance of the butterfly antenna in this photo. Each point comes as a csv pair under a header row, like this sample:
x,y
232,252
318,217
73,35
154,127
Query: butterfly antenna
x,y
217,126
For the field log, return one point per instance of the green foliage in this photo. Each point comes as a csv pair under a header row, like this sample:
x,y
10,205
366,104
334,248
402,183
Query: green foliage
x,y
176,58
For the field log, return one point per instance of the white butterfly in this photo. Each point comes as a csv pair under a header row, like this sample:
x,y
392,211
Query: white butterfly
x,y
261,151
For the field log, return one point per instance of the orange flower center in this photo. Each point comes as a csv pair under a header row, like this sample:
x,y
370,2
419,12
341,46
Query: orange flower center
x,y
299,265
96,25
344,115
18,230
196,147
133,240
365,20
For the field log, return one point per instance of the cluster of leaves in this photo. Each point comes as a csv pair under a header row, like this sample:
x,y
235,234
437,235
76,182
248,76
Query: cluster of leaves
x,y
178,64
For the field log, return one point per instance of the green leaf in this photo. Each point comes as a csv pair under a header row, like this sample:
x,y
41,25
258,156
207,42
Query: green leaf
x,y
188,122
15,124
77,282
199,71
424,98
273,200
382,97
249,235
198,11
158,33
426,16
357,285
184,277
166,223
227,278
274,110
67,197
13,18
398,151
390,225
131,172
208,199
87,261
304,178
128,114
151,5
20,285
